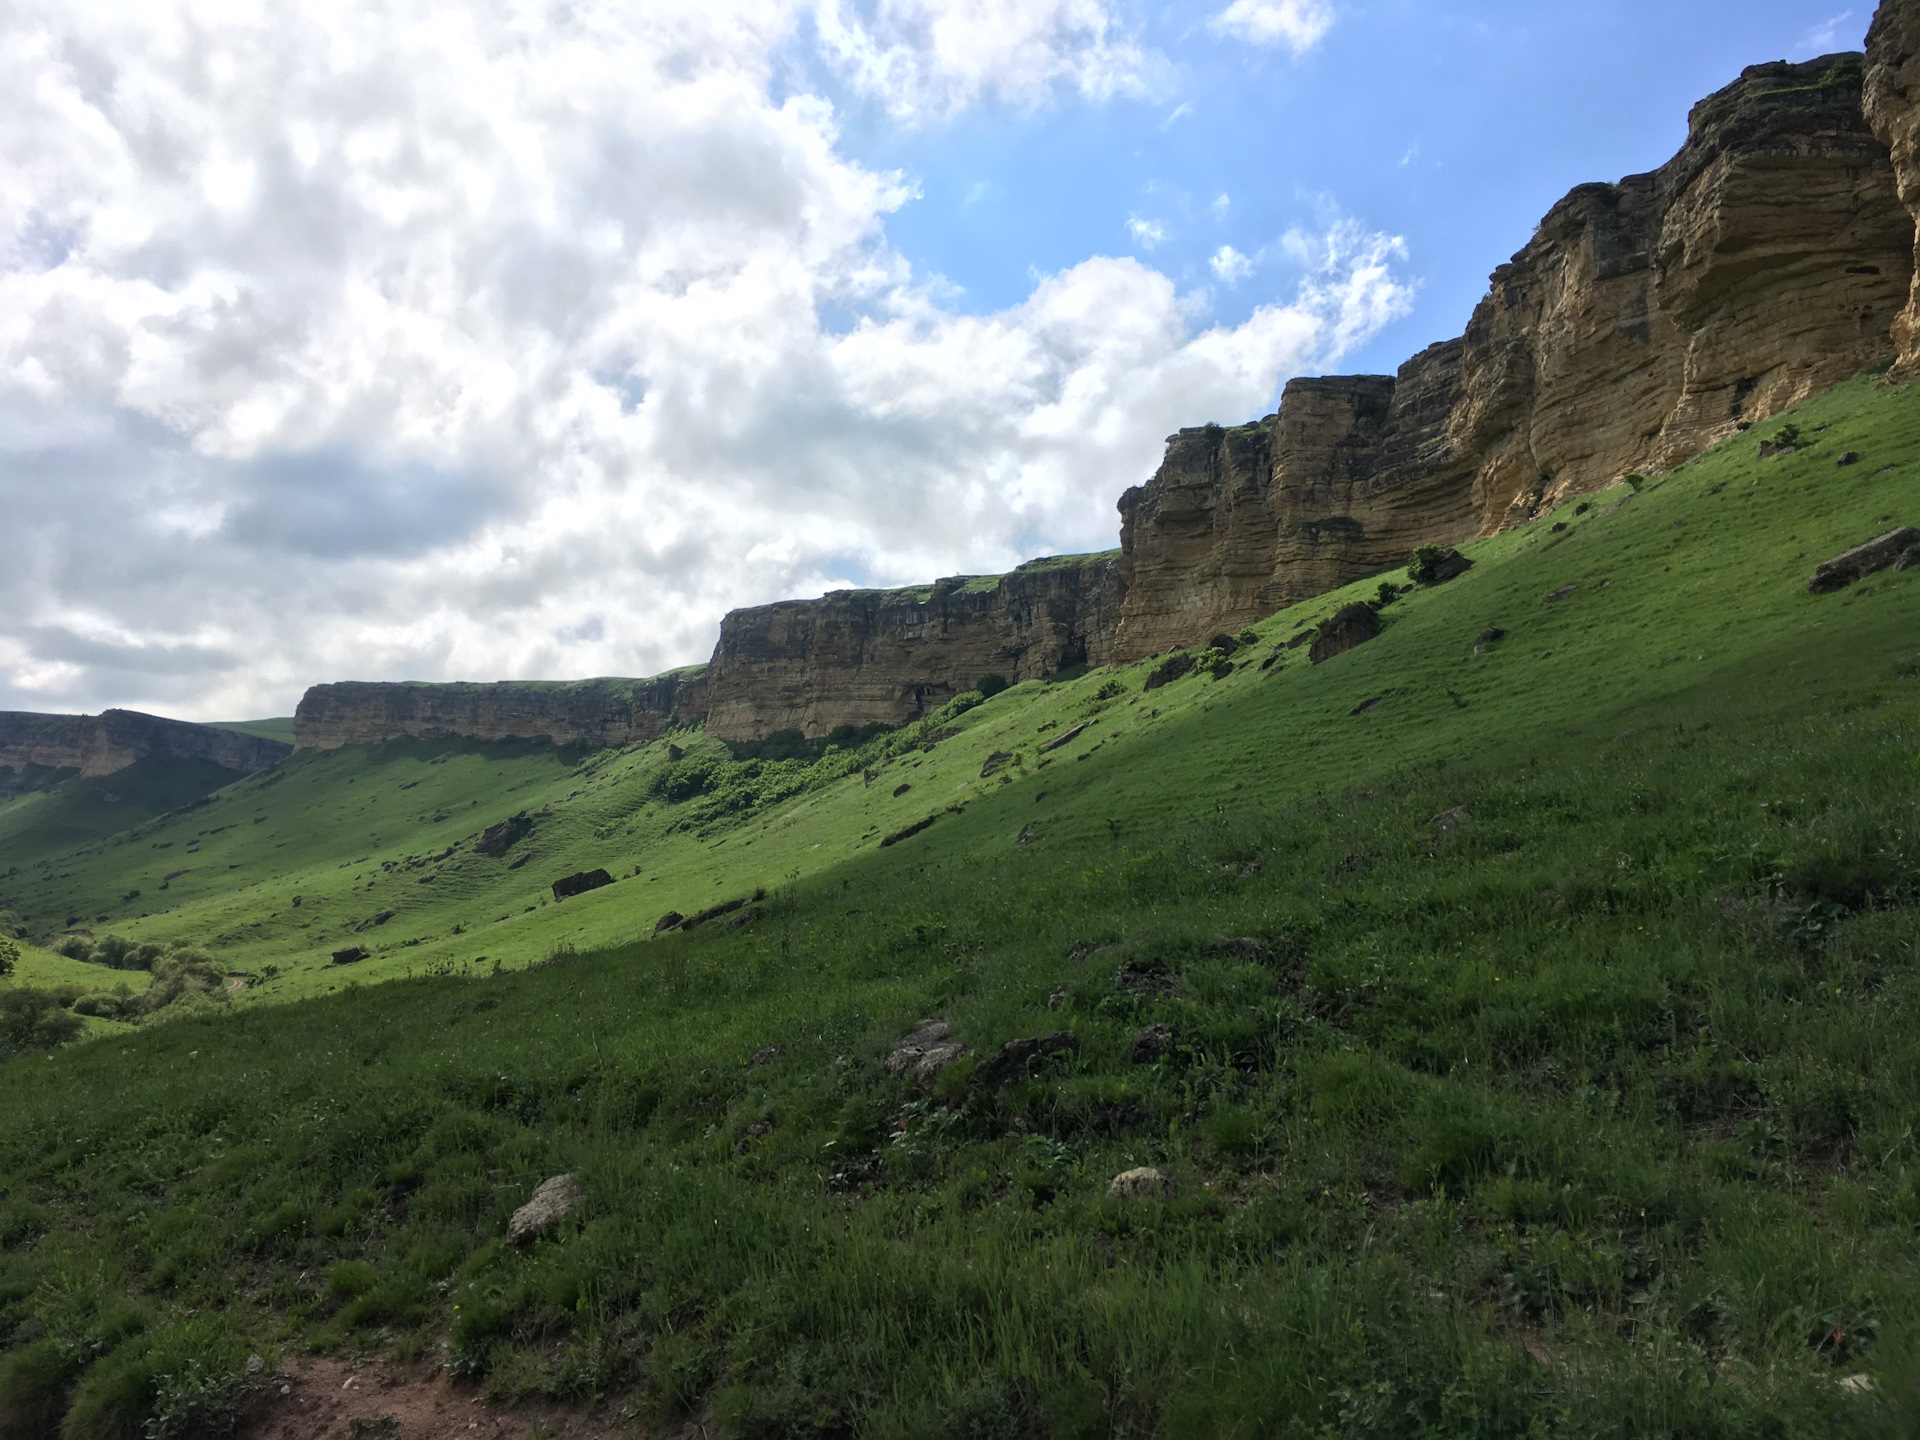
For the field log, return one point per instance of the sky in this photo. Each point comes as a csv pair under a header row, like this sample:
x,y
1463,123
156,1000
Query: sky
x,y
522,339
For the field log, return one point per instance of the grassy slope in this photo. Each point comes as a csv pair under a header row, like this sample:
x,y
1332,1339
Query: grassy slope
x,y
1699,589
50,822
1588,1115
279,727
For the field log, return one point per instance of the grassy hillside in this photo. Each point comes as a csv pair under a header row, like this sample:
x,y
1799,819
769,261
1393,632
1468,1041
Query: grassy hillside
x,y
1566,1087
278,728
37,827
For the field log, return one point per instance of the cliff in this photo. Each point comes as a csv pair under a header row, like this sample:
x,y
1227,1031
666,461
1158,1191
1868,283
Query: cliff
x,y
1892,104
1644,322
94,745
861,657
595,713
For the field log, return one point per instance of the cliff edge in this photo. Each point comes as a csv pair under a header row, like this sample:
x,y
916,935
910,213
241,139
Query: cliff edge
x,y
103,744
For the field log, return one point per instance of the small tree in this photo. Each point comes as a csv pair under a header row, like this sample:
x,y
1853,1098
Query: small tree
x,y
991,685
9,958
1425,564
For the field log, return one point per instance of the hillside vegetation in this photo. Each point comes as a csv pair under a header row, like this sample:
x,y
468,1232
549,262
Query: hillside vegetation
x,y
1524,1034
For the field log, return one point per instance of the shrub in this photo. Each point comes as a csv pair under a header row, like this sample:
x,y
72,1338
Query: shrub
x,y
178,1382
1637,483
34,1382
32,1021
75,947
991,685
1425,564
9,958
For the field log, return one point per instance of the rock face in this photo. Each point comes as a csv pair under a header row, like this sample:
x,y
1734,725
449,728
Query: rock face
x,y
1892,105
1643,323
1882,552
103,744
595,713
863,657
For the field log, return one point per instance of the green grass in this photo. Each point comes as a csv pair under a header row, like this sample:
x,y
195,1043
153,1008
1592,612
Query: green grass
x,y
1585,1112
278,728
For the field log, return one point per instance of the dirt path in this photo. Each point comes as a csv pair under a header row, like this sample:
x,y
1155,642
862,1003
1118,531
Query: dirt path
x,y
329,1399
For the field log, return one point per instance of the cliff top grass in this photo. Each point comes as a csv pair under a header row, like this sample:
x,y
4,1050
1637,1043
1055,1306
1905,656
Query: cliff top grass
x,y
1565,1087
277,728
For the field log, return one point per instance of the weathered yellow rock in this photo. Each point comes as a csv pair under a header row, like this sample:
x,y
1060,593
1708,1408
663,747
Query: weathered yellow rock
x,y
1893,110
593,713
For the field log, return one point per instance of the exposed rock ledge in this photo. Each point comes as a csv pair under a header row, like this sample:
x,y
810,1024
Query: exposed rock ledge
x,y
595,713
109,742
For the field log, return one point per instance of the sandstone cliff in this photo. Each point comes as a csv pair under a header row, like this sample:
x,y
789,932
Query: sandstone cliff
x,y
94,745
861,657
1893,110
1644,322
596,713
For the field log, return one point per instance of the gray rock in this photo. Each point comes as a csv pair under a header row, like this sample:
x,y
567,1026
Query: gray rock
x,y
1350,627
927,1072
1908,560
1144,1183
580,883
1151,1043
924,1053
1018,1057
551,1203
1863,560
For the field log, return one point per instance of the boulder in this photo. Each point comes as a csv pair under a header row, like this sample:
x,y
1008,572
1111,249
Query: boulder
x,y
500,838
351,955
713,912
1151,1043
1144,1183
1019,1057
1492,635
580,883
672,920
1863,560
1169,670
995,763
1352,626
1852,457
924,1053
1147,977
1450,566
551,1203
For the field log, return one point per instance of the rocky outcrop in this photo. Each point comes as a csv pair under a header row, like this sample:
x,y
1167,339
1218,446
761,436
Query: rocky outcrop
x,y
103,744
1882,553
1892,105
595,713
864,657
1643,323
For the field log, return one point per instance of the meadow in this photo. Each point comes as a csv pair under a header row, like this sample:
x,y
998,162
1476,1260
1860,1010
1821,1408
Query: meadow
x,y
1524,1032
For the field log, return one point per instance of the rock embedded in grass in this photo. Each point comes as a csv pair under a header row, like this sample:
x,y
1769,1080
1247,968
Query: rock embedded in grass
x,y
1151,1043
1879,553
1018,1057
556,1199
924,1053
1143,1183
580,883
1350,627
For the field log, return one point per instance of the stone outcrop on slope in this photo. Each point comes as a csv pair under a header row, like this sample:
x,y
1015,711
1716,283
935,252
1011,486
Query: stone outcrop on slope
x,y
863,657
1643,323
595,713
109,742
1893,110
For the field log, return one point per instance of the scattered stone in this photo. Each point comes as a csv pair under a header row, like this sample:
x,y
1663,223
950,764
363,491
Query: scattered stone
x,y
1562,593
1350,627
1145,1183
1245,947
746,917
1863,560
1852,457
522,859
551,1203
351,955
1558,526
1151,1043
1227,643
1447,819
924,1053
672,920
500,838
995,763
908,833
1025,836
255,1364
767,1056
1907,561
900,790
1081,949
1305,637
713,912
1450,564
1104,1249
377,921
1582,507
1056,997
1074,734
1770,449
1490,636
1365,705
759,1128
1857,1384
580,883
1018,1057
1147,977
1167,671
675,754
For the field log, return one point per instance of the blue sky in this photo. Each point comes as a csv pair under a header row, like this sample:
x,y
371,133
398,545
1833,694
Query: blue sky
x,y
1455,126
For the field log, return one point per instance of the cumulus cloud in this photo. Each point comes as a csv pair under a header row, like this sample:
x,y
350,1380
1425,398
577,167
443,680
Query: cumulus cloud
x,y
922,58
1147,234
1229,266
422,340
1297,24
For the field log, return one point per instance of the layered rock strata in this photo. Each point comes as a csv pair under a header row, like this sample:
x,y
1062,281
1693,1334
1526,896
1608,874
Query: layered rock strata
x,y
595,713
94,745
1892,105
1643,323
863,657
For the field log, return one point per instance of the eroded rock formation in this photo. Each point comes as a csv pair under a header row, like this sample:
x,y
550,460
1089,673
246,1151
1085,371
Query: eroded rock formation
x,y
595,713
862,657
1892,104
93,745
1643,323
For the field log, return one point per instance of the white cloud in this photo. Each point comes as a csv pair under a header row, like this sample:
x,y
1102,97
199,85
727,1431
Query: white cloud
x,y
1834,33
1222,203
480,341
1230,266
931,58
1146,233
1297,24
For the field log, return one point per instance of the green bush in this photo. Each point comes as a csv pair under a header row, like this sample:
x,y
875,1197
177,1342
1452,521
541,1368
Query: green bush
x,y
991,685
33,1021
181,1382
1424,564
9,957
